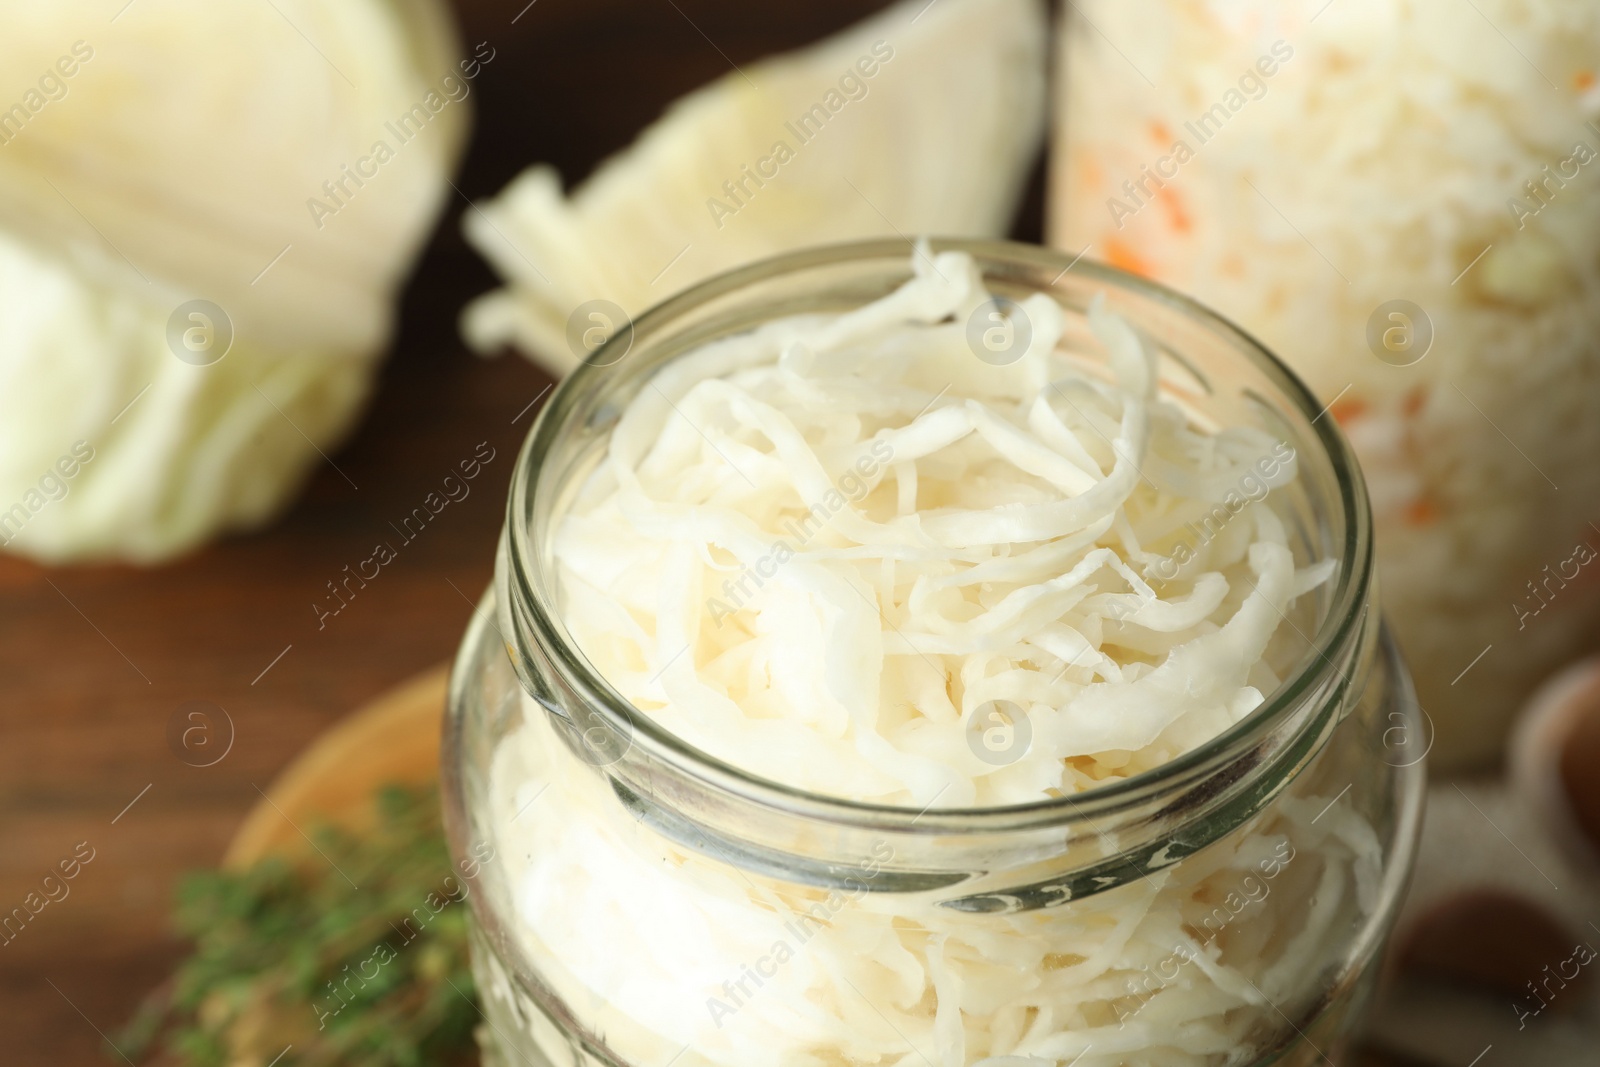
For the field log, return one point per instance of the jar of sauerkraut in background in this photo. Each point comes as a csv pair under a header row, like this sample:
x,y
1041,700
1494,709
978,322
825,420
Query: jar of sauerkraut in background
x,y
1398,197
651,904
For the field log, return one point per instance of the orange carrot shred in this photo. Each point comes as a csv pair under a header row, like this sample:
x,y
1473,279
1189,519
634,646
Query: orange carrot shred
x,y
1422,512
1122,256
1175,212
1347,410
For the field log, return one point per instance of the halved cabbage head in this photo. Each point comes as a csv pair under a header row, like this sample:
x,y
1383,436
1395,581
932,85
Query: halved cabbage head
x,y
921,120
282,162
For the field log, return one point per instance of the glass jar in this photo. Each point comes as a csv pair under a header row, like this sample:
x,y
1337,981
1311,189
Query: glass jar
x,y
649,905
1396,197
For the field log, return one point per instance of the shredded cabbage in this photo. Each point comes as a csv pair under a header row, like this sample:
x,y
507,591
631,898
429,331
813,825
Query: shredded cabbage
x,y
1433,151
647,944
933,534
817,550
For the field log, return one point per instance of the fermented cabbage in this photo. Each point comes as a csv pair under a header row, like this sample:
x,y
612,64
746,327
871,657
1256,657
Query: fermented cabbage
x,y
823,551
1397,198
818,549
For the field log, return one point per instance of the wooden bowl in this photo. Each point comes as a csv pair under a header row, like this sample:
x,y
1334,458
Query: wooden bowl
x,y
392,740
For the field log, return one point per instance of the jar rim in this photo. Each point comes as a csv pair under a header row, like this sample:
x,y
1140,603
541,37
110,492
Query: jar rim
x,y
1338,630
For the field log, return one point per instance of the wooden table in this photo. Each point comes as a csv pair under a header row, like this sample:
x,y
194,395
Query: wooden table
x,y
94,661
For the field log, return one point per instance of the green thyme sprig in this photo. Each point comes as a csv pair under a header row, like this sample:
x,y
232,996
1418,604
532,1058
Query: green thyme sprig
x,y
360,962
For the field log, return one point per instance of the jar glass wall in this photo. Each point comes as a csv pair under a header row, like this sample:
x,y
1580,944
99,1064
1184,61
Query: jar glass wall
x,y
649,904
